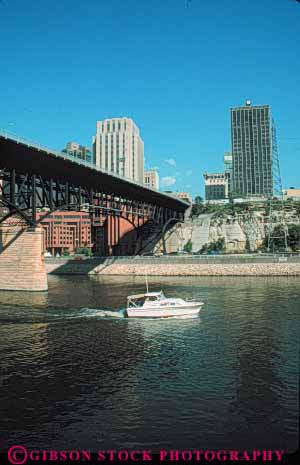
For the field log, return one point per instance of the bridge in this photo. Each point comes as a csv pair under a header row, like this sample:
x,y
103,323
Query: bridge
x,y
35,181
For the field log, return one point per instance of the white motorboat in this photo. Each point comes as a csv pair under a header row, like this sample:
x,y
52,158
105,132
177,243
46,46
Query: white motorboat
x,y
156,305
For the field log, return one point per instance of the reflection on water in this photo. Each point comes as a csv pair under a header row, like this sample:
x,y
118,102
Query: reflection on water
x,y
73,375
28,299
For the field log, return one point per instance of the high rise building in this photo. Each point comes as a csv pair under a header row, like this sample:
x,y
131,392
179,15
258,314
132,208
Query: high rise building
x,y
251,136
216,186
151,179
119,148
228,162
228,169
78,151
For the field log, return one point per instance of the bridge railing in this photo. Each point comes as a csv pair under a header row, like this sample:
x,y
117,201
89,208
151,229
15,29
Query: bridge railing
x,y
29,143
44,148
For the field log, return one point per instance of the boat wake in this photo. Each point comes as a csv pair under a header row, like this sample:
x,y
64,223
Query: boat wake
x,y
185,317
96,312
21,315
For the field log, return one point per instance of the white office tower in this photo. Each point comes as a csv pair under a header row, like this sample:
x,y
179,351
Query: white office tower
x,y
119,148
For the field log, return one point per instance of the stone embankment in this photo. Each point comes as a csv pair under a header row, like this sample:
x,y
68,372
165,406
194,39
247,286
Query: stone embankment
x,y
264,269
202,269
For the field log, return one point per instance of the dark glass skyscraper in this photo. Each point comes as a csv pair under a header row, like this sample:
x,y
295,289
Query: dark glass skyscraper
x,y
252,162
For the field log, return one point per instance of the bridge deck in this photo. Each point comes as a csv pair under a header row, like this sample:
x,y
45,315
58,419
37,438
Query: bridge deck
x,y
29,158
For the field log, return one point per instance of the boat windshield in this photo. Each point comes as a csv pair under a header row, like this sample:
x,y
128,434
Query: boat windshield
x,y
140,300
152,298
136,302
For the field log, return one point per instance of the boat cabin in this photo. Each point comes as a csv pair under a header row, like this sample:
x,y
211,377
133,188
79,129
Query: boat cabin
x,y
139,300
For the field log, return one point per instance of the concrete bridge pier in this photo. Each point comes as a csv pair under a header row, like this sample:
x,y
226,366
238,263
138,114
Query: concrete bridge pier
x,y
22,266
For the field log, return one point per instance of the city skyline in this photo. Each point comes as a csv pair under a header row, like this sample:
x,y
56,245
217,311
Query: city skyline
x,y
161,64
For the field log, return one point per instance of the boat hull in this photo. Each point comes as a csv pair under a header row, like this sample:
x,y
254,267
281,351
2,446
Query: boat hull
x,y
166,312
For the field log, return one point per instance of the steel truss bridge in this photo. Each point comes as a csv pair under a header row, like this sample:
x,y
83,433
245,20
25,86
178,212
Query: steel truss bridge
x,y
36,179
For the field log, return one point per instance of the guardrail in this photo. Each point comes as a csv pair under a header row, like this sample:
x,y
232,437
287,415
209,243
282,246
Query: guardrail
x,y
182,259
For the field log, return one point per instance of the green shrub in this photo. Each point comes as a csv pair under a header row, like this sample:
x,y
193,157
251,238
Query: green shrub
x,y
84,251
217,246
188,246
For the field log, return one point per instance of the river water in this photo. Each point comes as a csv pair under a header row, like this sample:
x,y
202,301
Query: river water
x,y
72,378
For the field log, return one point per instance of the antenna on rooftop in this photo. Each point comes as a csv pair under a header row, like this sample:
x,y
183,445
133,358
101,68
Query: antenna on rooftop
x,y
275,221
277,183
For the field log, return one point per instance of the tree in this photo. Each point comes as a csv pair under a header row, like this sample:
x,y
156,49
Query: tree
x,y
84,251
188,246
278,237
198,200
198,206
293,238
217,246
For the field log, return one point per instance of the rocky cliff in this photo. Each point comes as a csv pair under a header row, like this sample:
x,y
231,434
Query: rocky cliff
x,y
239,233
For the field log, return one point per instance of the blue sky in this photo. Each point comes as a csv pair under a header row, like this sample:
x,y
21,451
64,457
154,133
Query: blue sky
x,y
174,66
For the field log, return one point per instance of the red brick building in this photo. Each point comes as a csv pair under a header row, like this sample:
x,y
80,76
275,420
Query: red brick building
x,y
66,232
104,235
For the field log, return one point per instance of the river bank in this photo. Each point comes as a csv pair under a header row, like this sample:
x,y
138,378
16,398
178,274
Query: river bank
x,y
174,269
